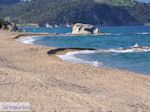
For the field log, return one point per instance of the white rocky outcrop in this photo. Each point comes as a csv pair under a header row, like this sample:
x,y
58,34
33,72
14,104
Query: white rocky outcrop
x,y
85,29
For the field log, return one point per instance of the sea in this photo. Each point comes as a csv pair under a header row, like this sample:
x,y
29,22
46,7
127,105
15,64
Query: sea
x,y
122,47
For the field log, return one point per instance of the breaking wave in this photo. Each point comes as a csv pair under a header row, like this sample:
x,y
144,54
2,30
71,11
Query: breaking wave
x,y
72,56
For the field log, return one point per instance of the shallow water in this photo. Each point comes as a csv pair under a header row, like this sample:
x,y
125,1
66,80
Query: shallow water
x,y
108,52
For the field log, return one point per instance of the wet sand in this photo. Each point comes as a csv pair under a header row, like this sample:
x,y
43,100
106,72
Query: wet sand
x,y
29,74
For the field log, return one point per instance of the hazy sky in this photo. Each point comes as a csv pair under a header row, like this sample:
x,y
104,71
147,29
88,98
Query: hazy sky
x,y
148,1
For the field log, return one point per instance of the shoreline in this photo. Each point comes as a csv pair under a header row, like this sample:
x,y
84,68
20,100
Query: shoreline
x,y
28,73
68,54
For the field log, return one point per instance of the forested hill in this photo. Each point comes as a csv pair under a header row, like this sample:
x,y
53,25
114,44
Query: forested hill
x,y
111,2
102,12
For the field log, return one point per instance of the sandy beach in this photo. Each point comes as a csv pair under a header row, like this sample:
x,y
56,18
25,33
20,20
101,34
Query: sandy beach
x,y
29,74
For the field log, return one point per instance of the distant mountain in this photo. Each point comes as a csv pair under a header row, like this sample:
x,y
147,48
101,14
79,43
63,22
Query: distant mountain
x,y
61,12
112,2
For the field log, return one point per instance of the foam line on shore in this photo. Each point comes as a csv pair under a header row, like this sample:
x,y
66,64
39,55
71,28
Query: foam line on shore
x,y
71,57
29,39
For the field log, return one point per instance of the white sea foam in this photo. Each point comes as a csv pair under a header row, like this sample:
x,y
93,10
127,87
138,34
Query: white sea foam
x,y
130,50
71,57
29,40
118,50
123,51
143,33
117,34
114,34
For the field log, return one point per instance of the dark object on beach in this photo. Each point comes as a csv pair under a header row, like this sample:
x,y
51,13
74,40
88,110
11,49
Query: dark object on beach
x,y
1,23
55,51
84,29
12,27
5,25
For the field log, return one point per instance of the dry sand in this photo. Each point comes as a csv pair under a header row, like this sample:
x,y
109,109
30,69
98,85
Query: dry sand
x,y
29,74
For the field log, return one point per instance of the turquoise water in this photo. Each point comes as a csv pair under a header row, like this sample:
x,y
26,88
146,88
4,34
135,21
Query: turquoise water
x,y
107,53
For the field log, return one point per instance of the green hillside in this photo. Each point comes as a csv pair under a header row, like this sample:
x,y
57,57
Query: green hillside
x,y
71,11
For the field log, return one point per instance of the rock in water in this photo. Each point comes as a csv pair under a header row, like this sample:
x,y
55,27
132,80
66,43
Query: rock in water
x,y
84,29
12,27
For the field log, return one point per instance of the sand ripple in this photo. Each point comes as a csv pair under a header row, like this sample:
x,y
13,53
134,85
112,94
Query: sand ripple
x,y
9,79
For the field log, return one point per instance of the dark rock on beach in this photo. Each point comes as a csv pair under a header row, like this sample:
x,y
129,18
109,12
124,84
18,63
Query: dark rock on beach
x,y
5,25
